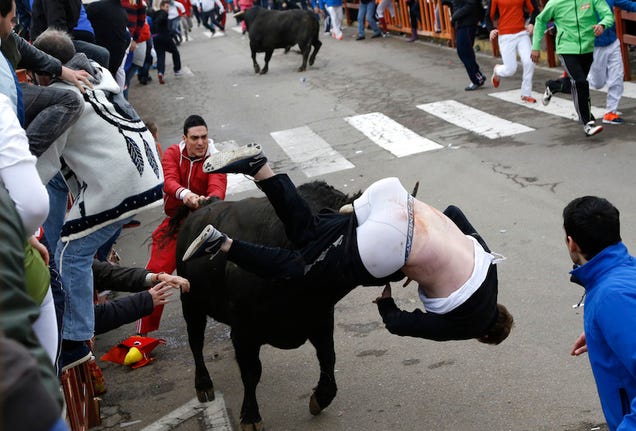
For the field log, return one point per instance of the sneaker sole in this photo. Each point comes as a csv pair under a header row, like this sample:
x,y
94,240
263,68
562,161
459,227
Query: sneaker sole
x,y
196,244
221,159
613,122
80,361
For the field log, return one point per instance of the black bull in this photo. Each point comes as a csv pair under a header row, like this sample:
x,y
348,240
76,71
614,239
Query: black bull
x,y
282,314
271,29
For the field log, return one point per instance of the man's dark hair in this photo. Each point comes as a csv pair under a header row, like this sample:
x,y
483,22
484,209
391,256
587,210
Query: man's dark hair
x,y
193,121
164,2
56,43
593,223
5,7
499,330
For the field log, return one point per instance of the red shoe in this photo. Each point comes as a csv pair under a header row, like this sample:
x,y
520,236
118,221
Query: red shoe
x,y
495,78
528,99
161,80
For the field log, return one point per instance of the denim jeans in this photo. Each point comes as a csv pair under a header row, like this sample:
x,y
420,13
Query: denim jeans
x,y
166,44
49,111
368,10
93,52
75,260
211,16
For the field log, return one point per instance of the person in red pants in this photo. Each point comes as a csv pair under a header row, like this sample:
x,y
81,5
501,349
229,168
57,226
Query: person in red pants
x,y
185,184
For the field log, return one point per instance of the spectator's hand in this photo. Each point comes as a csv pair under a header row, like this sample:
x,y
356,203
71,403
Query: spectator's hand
x,y
40,248
386,293
191,200
530,29
160,293
580,346
133,46
493,34
174,281
598,29
78,78
534,55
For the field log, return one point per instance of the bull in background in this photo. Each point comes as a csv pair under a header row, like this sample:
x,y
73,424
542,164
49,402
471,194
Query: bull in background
x,y
272,29
275,312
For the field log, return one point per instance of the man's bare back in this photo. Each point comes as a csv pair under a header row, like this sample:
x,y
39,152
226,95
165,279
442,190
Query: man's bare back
x,y
442,257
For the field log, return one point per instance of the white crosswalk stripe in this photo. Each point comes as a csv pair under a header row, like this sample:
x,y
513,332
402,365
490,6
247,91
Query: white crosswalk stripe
x,y
472,119
391,135
558,106
314,155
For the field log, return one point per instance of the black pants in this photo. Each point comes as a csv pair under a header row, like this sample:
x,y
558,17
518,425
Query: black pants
x,y
577,67
313,237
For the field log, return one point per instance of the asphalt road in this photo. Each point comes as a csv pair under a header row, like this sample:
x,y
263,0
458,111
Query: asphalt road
x,y
512,188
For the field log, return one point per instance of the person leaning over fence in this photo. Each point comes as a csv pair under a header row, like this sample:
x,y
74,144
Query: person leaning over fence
x,y
385,235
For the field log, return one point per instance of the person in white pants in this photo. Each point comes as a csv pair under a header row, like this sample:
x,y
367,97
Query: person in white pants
x,y
607,67
514,36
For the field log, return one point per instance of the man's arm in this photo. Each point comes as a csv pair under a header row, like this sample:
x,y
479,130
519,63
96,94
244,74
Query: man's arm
x,y
118,278
628,5
217,185
604,12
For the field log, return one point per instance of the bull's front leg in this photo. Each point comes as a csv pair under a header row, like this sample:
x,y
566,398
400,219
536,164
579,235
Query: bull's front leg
x,y
196,319
326,389
257,68
268,57
247,355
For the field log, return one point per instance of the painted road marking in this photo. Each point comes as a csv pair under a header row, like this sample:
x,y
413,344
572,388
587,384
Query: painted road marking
x,y
314,155
559,106
472,119
214,415
391,135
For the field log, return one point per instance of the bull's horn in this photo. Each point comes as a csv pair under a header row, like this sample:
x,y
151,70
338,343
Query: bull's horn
x,y
417,186
239,14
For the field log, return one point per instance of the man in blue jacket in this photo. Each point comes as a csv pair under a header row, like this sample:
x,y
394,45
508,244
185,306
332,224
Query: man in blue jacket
x,y
603,265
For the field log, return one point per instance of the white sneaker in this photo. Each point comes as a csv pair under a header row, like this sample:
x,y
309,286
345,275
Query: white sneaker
x,y
547,96
592,129
209,242
218,34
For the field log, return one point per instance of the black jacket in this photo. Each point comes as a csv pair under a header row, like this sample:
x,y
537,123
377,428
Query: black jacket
x,y
465,13
59,14
127,309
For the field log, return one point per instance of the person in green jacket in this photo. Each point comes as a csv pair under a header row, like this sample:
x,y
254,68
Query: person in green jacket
x,y
578,24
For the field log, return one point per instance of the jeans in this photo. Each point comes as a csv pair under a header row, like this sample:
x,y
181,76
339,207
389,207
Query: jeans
x,y
75,260
211,16
93,52
368,10
49,111
465,39
165,44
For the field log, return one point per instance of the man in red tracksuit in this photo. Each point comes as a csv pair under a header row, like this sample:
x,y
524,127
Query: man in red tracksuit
x,y
185,183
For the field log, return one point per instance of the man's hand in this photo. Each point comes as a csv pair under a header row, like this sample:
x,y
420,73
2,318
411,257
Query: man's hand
x,y
493,34
174,281
133,46
78,78
530,29
534,55
192,200
598,29
386,293
580,346
160,293
40,248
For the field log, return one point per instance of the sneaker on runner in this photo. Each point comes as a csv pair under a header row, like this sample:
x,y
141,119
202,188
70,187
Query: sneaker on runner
x,y
495,78
612,118
592,129
247,160
547,96
528,99
208,242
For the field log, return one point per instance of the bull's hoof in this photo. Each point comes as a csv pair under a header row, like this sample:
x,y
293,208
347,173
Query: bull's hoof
x,y
302,69
263,71
205,395
314,405
258,426
257,69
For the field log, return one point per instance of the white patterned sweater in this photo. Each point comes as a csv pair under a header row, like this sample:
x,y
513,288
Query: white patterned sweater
x,y
108,158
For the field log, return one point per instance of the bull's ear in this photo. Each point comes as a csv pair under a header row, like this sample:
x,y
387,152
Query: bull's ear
x,y
417,186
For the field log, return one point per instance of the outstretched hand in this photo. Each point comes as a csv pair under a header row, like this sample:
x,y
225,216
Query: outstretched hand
x,y
580,346
386,293
160,293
